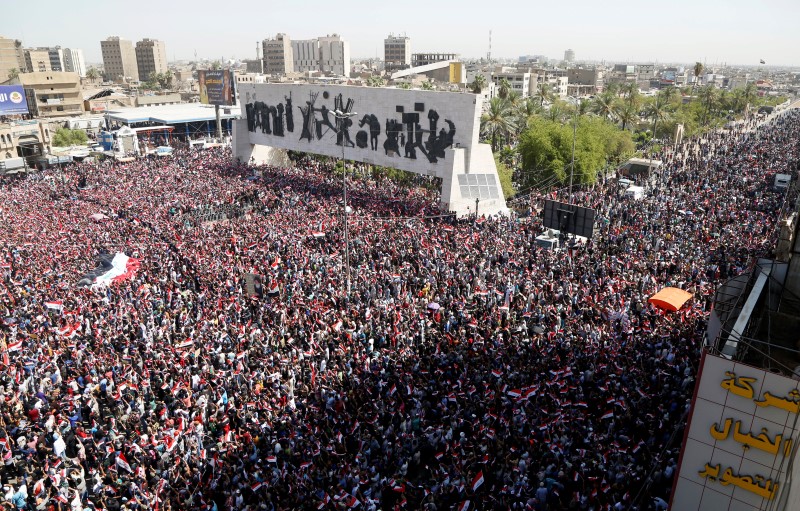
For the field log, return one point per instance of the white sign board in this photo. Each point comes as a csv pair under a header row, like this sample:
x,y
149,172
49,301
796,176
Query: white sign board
x,y
405,129
740,438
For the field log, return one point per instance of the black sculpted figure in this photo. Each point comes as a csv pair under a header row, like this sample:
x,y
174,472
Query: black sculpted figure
x,y
374,129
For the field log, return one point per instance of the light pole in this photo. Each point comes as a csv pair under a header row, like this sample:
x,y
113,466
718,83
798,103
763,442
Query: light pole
x,y
577,102
341,117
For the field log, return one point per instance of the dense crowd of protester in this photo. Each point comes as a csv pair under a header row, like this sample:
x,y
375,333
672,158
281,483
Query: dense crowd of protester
x,y
467,368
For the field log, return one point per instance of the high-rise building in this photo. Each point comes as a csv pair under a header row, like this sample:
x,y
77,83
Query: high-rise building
x,y
305,55
44,59
396,52
278,55
328,54
569,55
151,57
334,55
73,61
119,59
12,57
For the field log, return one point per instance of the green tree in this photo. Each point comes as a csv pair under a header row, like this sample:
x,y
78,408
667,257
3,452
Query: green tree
x,y
526,109
496,122
503,88
13,73
545,148
698,70
478,84
708,97
603,104
427,86
750,94
216,65
404,85
93,74
544,93
505,174
658,111
626,113
375,81
64,137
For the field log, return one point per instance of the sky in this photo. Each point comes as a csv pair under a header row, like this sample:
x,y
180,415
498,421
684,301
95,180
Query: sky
x,y
684,31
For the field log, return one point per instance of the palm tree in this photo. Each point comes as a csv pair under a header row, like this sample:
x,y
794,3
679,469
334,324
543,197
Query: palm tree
x,y
626,113
698,70
503,88
603,104
13,73
526,109
544,93
496,122
514,99
658,111
558,111
630,91
750,93
670,94
707,96
92,74
478,84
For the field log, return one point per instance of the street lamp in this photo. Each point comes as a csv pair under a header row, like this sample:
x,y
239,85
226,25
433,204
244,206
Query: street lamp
x,y
340,117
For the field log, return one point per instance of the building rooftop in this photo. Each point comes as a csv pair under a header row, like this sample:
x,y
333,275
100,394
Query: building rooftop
x,y
172,114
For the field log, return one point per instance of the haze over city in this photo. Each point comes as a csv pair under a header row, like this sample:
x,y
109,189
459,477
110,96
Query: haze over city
x,y
737,32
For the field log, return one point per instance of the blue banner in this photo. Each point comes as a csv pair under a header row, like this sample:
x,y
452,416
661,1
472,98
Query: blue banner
x,y
12,100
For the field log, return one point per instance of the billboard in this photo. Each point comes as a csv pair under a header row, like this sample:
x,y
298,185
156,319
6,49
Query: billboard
x,y
12,100
216,87
411,130
740,439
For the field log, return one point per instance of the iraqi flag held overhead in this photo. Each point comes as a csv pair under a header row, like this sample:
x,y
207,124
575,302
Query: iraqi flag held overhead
x,y
477,481
111,269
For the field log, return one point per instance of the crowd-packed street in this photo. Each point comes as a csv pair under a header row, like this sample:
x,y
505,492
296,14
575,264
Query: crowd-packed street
x,y
467,369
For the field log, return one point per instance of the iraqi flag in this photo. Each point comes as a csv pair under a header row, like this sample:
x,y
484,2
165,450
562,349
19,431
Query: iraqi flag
x,y
477,481
318,234
608,415
122,462
54,305
14,346
464,506
122,268
184,344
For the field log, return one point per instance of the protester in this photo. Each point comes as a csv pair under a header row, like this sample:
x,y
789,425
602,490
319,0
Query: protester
x,y
467,364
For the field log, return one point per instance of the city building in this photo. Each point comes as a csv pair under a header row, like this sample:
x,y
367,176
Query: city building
x,y
12,57
278,55
305,55
521,82
51,93
44,59
119,60
585,81
26,139
151,57
73,61
396,53
423,59
569,55
334,55
329,55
